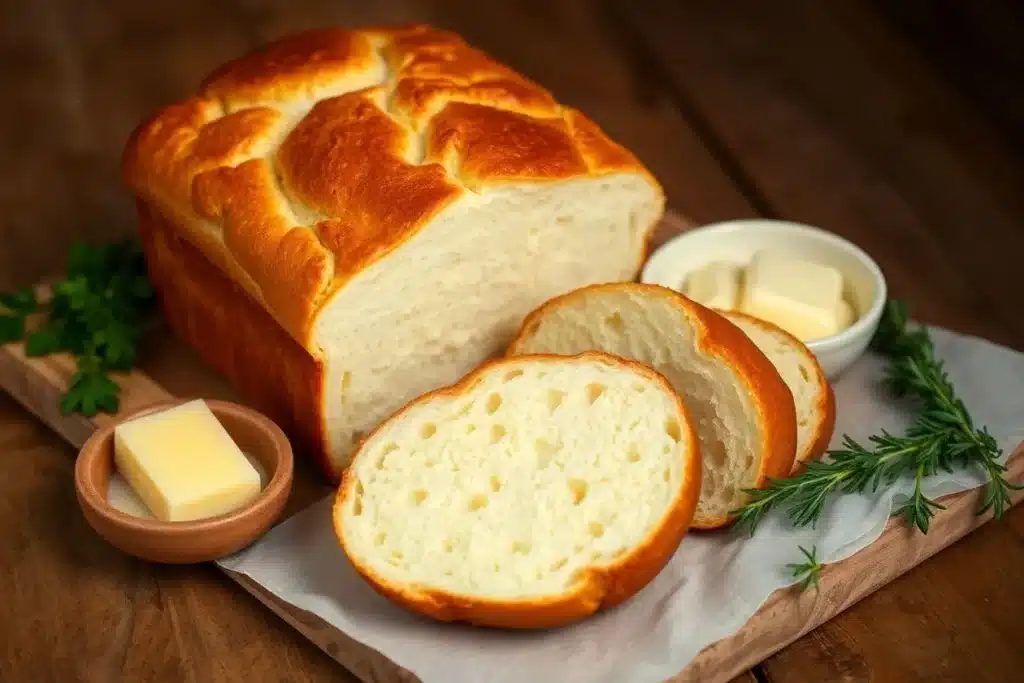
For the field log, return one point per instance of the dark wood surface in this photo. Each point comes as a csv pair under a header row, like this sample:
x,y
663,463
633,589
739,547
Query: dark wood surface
x,y
843,114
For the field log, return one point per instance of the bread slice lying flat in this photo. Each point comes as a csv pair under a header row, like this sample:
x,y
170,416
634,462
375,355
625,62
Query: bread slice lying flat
x,y
743,411
531,494
800,370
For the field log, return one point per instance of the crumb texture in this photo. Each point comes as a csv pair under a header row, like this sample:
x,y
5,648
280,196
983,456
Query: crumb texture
x,y
512,488
659,331
396,200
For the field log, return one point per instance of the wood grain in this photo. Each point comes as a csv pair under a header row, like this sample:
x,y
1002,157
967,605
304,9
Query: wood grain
x,y
76,610
786,616
977,44
824,113
831,119
38,383
876,165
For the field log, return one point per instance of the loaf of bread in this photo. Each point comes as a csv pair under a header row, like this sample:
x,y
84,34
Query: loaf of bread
x,y
742,409
534,492
344,220
800,370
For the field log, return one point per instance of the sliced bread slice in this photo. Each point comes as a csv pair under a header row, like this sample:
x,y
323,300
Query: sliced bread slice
x,y
532,493
742,409
800,370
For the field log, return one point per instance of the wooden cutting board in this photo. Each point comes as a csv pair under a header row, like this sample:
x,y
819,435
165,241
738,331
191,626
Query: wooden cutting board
x,y
168,369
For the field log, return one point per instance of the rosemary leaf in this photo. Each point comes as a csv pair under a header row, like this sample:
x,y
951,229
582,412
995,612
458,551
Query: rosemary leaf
x,y
942,437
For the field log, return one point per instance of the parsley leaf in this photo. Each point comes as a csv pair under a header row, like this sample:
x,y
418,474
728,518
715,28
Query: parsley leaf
x,y
12,328
45,340
15,307
96,313
90,390
20,302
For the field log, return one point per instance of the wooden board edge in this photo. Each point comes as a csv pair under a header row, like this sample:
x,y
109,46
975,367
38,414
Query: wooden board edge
x,y
38,383
789,614
365,663
786,611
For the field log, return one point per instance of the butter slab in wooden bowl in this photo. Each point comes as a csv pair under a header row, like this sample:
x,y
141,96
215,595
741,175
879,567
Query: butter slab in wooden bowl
x,y
191,517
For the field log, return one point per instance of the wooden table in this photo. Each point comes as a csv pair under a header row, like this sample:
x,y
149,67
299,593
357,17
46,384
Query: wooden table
x,y
831,113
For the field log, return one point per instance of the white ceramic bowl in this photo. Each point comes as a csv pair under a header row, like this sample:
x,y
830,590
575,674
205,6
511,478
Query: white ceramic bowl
x,y
738,240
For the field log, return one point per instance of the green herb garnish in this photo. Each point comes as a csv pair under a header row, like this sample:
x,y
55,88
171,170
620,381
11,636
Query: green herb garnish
x,y
942,437
808,573
96,313
15,307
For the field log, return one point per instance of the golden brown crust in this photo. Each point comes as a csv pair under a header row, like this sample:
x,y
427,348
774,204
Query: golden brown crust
x,y
773,401
296,67
826,428
598,588
369,207
344,144
825,408
435,67
291,264
601,153
234,334
463,138
716,336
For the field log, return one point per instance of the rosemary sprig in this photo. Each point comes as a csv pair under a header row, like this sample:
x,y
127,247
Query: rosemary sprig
x,y
942,437
808,572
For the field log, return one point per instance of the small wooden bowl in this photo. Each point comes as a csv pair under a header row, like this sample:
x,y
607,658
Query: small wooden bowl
x,y
193,541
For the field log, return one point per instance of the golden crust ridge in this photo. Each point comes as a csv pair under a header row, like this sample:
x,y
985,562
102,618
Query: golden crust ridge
x,y
301,163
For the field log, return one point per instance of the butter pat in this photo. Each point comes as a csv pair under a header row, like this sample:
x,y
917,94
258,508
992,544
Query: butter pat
x,y
802,297
716,285
183,464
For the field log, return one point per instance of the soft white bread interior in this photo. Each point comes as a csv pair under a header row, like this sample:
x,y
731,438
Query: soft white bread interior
x,y
743,411
532,493
800,370
393,199
455,293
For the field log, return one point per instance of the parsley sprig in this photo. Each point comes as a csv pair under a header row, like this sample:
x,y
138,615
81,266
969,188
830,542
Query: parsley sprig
x,y
942,437
808,572
95,313
15,308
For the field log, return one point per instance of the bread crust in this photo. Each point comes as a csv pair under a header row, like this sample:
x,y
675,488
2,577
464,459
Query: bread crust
x,y
299,165
599,587
716,336
825,408
235,335
827,428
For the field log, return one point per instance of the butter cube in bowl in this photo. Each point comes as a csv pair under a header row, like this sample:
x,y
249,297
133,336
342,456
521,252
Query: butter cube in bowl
x,y
819,287
183,482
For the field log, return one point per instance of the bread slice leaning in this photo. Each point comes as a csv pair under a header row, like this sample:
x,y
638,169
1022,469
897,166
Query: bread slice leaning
x,y
743,411
800,370
534,492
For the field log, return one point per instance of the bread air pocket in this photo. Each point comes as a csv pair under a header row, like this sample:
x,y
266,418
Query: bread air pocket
x,y
743,412
531,494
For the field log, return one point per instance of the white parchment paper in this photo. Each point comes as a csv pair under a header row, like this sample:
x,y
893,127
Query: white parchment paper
x,y
714,583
